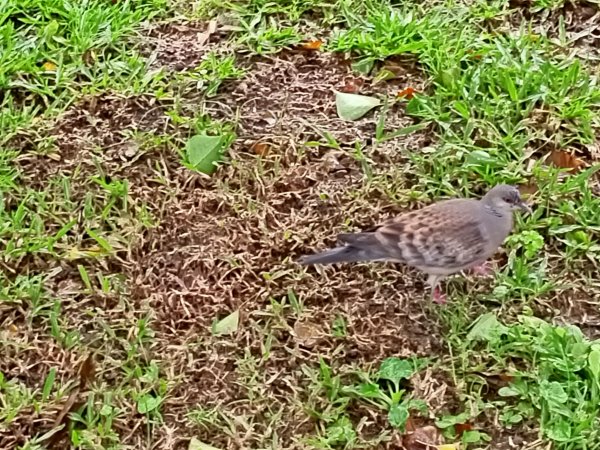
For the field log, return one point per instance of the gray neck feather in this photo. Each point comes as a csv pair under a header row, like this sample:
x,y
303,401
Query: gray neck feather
x,y
493,210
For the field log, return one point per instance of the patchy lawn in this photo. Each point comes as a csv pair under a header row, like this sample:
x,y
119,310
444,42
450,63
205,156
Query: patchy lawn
x,y
147,304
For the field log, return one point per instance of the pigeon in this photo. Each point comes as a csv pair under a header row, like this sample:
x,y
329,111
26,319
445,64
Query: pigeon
x,y
441,239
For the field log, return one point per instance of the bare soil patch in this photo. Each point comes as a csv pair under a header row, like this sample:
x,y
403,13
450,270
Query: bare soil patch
x,y
228,243
177,46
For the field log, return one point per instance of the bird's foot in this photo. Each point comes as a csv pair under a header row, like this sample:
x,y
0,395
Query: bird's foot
x,y
482,269
438,296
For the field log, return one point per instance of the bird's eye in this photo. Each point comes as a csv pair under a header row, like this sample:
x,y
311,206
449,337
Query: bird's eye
x,y
509,200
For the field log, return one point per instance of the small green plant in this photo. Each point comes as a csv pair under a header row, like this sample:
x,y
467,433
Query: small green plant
x,y
557,381
383,390
213,71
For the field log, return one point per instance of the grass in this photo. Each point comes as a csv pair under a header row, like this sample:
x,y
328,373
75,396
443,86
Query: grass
x,y
145,303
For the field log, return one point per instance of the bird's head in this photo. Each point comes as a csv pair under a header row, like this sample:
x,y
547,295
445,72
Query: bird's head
x,y
507,198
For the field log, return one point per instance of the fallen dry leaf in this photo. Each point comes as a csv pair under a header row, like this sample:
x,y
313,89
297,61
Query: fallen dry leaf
x,y
307,334
261,148
410,426
424,438
88,57
87,371
529,188
506,377
203,37
460,428
408,93
352,85
311,45
564,160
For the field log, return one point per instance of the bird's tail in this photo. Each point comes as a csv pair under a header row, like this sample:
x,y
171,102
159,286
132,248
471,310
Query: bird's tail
x,y
358,247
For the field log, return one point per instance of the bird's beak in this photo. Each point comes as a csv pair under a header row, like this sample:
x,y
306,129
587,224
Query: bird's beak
x,y
525,207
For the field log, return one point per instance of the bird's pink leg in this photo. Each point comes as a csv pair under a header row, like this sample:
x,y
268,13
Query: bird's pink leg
x,y
438,296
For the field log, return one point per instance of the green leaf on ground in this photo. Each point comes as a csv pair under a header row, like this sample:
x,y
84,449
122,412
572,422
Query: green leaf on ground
x,y
204,151
354,106
395,369
227,325
398,416
147,403
485,328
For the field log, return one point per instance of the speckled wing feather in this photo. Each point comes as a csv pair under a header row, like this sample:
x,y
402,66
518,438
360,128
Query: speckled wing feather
x,y
447,235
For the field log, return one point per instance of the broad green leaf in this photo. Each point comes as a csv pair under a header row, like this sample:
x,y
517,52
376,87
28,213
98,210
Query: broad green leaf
x,y
195,444
461,108
594,363
354,106
482,158
553,392
448,421
147,403
419,405
486,327
507,391
204,151
448,77
106,410
227,325
341,432
558,430
363,66
397,416
369,390
473,437
395,369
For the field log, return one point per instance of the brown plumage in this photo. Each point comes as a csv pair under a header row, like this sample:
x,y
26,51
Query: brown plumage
x,y
440,239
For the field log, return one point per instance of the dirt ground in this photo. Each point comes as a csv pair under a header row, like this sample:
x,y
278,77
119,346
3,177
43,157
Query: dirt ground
x,y
229,242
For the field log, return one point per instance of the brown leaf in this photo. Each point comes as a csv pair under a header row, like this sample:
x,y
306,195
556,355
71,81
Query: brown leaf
x,y
307,334
203,37
424,438
261,148
497,380
460,428
507,378
88,57
408,92
352,85
311,45
565,160
87,371
529,188
410,426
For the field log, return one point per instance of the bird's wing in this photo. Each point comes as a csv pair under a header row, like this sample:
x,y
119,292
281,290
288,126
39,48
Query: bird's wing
x,y
447,235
